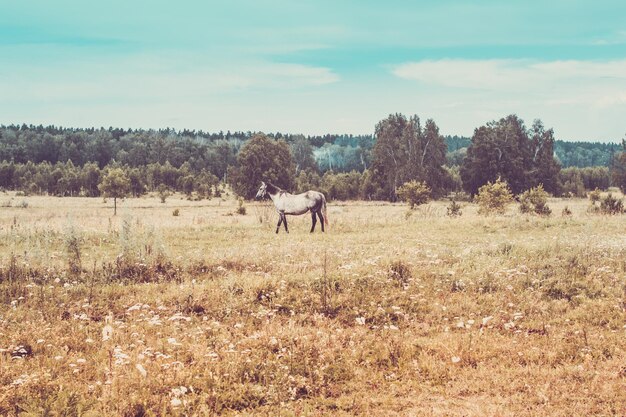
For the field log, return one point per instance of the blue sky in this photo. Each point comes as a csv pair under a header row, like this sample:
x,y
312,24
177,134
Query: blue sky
x,y
315,67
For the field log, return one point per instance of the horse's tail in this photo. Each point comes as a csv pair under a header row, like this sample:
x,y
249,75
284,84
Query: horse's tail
x,y
324,212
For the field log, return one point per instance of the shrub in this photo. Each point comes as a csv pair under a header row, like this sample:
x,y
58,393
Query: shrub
x,y
566,212
164,192
534,201
414,192
400,271
454,209
73,247
611,205
176,213
493,198
594,196
241,209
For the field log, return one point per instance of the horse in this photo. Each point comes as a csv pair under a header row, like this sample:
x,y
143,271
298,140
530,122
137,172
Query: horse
x,y
287,203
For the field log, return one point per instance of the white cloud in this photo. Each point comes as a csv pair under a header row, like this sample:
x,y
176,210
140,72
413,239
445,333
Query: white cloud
x,y
591,83
580,99
515,75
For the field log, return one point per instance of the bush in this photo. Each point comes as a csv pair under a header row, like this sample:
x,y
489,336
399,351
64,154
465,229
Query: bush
x,y
492,198
566,212
454,209
164,192
611,205
414,192
241,209
176,213
534,201
594,196
400,271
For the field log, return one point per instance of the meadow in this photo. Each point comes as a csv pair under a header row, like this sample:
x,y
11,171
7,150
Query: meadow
x,y
390,313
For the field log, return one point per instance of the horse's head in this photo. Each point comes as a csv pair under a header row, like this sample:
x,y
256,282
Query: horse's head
x,y
262,191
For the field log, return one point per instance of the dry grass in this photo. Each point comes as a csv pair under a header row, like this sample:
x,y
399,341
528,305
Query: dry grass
x,y
387,314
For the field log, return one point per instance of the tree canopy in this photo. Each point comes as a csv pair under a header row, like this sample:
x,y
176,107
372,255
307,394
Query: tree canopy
x,y
262,159
115,184
506,149
404,151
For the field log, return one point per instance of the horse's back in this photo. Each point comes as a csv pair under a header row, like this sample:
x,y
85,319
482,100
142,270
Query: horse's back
x,y
300,203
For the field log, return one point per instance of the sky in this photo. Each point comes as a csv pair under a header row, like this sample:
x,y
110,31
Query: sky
x,y
315,66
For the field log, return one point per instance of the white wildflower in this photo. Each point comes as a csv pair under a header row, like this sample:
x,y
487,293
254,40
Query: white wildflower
x,y
107,332
141,370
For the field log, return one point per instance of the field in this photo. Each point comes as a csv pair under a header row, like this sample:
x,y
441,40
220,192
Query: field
x,y
389,313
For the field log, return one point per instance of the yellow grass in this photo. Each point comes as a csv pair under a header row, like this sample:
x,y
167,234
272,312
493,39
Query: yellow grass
x,y
388,313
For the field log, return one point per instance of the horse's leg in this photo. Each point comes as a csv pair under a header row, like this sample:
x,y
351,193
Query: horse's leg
x,y
319,213
285,222
280,220
314,221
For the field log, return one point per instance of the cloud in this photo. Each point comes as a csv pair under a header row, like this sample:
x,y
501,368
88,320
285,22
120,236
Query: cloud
x,y
149,77
596,83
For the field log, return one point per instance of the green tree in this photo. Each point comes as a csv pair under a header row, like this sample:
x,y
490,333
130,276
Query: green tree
x,y
571,182
137,181
115,184
262,159
523,158
618,168
90,178
302,153
544,169
403,152
307,180
341,186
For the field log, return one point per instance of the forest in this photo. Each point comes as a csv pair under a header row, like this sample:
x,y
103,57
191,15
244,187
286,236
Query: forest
x,y
72,161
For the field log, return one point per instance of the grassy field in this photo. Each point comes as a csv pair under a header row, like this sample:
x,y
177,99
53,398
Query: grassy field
x,y
389,313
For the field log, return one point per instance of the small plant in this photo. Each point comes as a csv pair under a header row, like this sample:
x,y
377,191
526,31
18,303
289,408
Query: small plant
x,y
164,192
594,196
534,201
493,198
241,209
400,271
176,213
72,246
414,192
23,204
454,209
611,205
566,212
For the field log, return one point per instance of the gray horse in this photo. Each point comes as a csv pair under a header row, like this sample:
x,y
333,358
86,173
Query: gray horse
x,y
286,203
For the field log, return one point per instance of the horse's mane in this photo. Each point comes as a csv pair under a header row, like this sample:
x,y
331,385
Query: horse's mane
x,y
272,189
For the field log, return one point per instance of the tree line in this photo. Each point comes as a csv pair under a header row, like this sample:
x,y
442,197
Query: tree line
x,y
71,162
